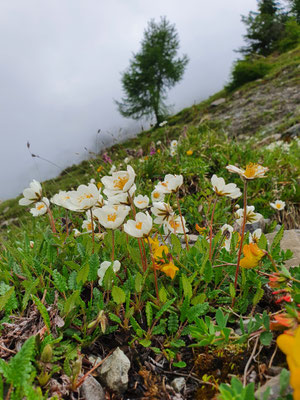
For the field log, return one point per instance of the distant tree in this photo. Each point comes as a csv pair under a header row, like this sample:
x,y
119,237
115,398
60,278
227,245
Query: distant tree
x,y
295,9
264,28
152,71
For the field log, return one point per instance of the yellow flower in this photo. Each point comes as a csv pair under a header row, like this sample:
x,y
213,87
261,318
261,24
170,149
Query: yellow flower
x,y
154,244
99,169
290,345
189,152
99,185
201,230
158,151
253,254
169,269
158,253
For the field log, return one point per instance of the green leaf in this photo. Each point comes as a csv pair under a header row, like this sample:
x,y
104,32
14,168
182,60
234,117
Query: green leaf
x,y
176,244
145,342
262,243
5,297
149,314
94,266
196,311
208,272
266,338
284,380
173,323
187,287
258,296
71,301
221,319
198,299
43,311
164,308
163,294
83,274
179,364
232,290
118,295
138,283
29,288
115,318
184,309
277,238
59,281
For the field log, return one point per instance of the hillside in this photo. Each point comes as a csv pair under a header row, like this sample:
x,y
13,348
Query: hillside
x,y
189,300
257,110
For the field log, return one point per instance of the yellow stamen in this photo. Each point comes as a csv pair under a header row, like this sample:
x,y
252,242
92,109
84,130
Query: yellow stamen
x,y
120,182
156,195
40,207
251,170
112,217
139,225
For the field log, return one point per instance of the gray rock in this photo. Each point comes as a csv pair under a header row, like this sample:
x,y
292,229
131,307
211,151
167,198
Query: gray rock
x,y
218,102
292,132
91,389
274,386
260,224
114,371
291,241
269,139
178,384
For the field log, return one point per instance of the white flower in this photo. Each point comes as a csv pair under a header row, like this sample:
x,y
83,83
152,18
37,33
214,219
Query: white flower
x,y
87,223
140,227
171,184
104,267
255,236
162,211
126,160
173,152
141,202
251,216
120,198
227,232
31,194
31,244
113,169
174,144
252,171
120,181
40,208
157,196
174,225
60,198
92,180
111,216
158,143
278,205
82,199
221,189
163,123
76,232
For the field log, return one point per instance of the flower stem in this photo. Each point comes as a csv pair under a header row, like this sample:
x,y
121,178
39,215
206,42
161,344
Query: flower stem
x,y
179,209
242,238
210,228
154,268
52,224
93,233
113,245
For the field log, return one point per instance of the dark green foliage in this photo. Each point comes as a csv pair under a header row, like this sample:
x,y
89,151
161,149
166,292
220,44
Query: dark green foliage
x,y
152,71
295,9
264,28
247,70
291,36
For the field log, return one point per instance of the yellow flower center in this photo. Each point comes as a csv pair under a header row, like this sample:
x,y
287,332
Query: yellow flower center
x,y
89,226
251,170
140,201
156,195
121,182
139,225
40,207
174,224
112,217
278,206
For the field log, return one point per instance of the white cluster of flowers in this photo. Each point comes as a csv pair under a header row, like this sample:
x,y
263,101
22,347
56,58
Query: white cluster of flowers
x,y
173,148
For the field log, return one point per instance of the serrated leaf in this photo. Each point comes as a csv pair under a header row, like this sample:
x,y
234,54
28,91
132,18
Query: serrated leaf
x,y
232,290
94,266
262,243
115,318
184,309
149,314
187,287
258,296
138,282
266,338
163,294
164,308
43,311
176,244
118,295
71,301
5,297
277,238
83,274
173,323
196,311
59,281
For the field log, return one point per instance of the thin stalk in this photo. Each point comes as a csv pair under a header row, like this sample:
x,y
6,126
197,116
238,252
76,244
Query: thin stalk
x,y
179,209
139,240
242,238
93,233
113,245
145,256
51,219
67,224
154,268
210,228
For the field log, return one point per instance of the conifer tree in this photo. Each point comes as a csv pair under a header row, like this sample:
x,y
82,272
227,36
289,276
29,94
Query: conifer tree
x,y
152,71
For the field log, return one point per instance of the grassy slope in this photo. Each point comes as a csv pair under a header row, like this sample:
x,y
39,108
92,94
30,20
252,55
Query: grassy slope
x,y
196,121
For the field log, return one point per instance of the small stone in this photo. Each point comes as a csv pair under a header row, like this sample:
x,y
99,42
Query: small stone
x,y
291,241
292,132
114,371
178,384
274,385
91,389
274,370
218,102
94,360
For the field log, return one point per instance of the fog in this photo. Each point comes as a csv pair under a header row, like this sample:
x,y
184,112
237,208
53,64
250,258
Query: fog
x,y
60,70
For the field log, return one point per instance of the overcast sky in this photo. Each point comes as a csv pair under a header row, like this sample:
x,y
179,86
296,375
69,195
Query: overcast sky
x,y
60,69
